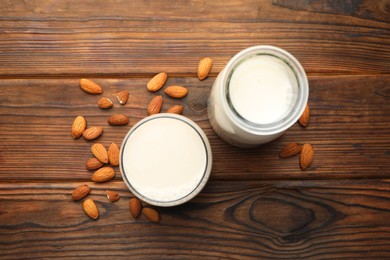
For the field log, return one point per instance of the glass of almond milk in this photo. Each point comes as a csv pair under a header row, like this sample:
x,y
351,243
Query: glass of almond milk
x,y
165,159
260,93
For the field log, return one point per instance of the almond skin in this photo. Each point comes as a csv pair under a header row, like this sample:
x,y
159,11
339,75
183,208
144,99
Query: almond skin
x,y
176,91
157,82
91,209
80,192
204,67
135,207
90,87
155,105
112,195
304,119
151,214
104,103
177,109
306,157
92,133
113,154
103,174
118,119
93,164
78,126
289,150
122,96
100,152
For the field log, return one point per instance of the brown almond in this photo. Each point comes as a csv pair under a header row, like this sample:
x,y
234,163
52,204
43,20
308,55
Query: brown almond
x,y
176,91
92,133
91,209
204,67
135,207
118,119
304,119
93,164
289,150
80,192
103,174
100,152
306,157
176,109
112,195
78,126
157,82
113,154
151,214
104,103
155,105
122,96
90,87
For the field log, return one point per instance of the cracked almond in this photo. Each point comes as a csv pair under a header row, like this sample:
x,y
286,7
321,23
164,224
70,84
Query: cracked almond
x,y
104,103
122,96
112,195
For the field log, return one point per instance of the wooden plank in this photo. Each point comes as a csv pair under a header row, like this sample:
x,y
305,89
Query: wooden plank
x,y
118,38
229,220
349,129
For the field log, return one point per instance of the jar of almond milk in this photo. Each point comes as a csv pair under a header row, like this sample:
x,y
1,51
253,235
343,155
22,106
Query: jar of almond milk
x,y
260,93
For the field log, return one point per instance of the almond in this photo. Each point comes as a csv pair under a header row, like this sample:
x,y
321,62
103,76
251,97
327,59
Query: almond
x,y
92,133
177,109
176,91
151,214
113,154
78,126
122,96
100,152
135,207
118,119
103,174
289,150
304,119
104,103
91,209
204,67
307,156
112,195
155,105
157,82
80,192
90,87
93,164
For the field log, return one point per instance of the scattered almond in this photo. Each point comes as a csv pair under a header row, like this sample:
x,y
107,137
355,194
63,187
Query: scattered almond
x,y
155,105
91,209
135,207
157,82
80,192
92,133
103,174
306,157
176,109
204,67
104,103
118,119
304,119
176,91
100,152
151,214
93,164
122,96
112,195
78,126
289,150
90,87
113,154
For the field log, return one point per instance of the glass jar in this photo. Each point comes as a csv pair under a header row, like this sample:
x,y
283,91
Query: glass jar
x,y
260,93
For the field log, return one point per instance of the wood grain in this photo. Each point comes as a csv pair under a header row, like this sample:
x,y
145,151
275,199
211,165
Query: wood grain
x,y
229,220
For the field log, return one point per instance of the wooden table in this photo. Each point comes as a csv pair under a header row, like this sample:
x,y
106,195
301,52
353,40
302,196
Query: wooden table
x,y
256,205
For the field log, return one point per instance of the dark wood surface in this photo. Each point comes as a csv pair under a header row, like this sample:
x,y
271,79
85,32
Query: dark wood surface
x,y
255,205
